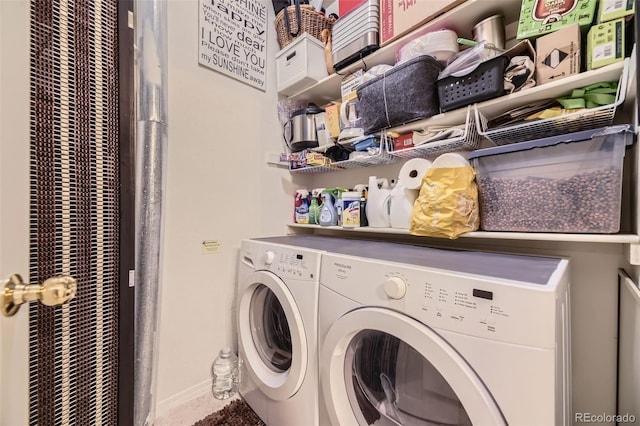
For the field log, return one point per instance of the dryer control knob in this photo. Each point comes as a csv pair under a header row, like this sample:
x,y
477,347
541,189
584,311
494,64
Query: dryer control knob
x,y
395,288
268,257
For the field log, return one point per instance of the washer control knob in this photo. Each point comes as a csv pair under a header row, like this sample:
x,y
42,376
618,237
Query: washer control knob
x,y
268,257
395,288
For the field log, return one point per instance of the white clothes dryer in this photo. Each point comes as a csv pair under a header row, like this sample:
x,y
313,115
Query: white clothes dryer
x,y
277,315
418,336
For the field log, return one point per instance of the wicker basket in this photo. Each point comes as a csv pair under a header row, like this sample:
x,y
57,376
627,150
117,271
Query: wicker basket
x,y
311,22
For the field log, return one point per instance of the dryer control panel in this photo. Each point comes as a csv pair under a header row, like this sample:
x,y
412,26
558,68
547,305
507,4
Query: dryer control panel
x,y
488,307
290,263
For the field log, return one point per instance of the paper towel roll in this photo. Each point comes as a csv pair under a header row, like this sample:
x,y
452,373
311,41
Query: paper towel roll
x,y
451,159
412,172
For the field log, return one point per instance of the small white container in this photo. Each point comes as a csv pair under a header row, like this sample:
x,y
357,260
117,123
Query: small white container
x,y
300,65
442,45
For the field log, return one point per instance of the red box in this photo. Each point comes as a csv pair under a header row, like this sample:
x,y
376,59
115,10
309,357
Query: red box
x,y
403,142
345,6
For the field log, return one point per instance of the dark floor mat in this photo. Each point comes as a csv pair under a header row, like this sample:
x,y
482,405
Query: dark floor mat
x,y
237,413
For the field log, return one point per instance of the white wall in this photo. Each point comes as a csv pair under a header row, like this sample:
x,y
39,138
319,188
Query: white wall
x,y
14,204
219,188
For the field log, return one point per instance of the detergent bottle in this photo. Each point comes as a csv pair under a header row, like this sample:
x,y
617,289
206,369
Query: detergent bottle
x,y
401,206
301,211
378,203
362,190
314,207
363,209
328,214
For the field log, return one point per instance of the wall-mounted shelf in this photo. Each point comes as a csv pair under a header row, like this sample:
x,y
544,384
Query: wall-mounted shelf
x,y
467,141
525,236
613,72
278,164
496,106
460,19
381,158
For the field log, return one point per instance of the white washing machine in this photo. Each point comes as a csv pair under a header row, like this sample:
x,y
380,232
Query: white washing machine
x,y
417,336
277,315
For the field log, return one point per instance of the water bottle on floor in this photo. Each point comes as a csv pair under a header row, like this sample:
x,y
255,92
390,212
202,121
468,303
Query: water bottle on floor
x,y
225,374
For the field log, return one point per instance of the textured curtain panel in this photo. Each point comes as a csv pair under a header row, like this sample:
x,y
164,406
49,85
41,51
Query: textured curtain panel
x,y
74,210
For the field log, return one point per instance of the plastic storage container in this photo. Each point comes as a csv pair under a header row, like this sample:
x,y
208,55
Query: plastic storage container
x,y
225,374
405,93
570,183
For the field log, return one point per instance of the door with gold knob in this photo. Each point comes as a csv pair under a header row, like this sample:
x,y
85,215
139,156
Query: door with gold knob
x,y
59,213
53,292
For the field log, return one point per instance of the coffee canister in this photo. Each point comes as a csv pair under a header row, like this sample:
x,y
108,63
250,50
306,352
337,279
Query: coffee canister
x,y
491,30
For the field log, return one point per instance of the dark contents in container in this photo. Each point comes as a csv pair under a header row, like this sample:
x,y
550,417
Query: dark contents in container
x,y
584,203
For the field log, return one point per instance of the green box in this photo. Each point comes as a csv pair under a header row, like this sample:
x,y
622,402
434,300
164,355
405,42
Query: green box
x,y
539,17
609,10
605,44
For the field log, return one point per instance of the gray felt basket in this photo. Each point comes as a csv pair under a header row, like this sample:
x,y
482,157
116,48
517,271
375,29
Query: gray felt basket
x,y
405,93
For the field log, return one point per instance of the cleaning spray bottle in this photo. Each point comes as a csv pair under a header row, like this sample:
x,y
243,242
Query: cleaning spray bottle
x,y
328,214
337,197
314,207
301,211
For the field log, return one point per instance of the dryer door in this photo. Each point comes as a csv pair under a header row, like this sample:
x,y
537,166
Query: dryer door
x,y
379,366
272,335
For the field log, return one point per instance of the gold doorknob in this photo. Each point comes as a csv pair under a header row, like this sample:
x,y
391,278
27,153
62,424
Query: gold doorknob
x,y
54,291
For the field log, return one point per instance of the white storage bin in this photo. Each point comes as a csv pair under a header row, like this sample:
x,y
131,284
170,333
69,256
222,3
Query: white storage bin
x,y
300,65
570,183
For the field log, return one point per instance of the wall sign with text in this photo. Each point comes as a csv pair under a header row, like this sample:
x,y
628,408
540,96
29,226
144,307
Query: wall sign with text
x,y
233,39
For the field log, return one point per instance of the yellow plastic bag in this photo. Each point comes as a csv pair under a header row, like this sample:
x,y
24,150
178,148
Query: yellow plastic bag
x,y
447,205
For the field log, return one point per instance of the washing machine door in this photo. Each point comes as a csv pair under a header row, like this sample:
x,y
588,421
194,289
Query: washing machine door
x,y
381,367
272,335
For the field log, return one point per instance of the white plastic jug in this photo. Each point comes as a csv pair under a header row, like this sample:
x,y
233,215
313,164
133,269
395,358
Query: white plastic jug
x,y
401,205
378,203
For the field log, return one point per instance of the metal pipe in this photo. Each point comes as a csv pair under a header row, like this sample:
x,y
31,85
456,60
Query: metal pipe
x,y
151,142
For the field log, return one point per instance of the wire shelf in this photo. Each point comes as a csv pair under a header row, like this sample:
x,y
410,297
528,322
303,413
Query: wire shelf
x,y
468,141
381,158
316,169
591,118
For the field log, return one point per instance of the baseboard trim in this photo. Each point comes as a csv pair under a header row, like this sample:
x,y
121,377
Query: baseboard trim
x,y
187,407
183,397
